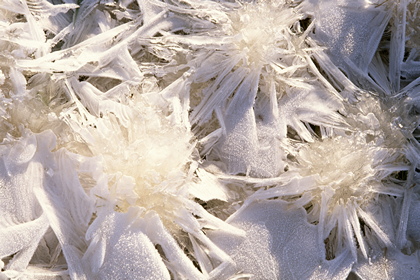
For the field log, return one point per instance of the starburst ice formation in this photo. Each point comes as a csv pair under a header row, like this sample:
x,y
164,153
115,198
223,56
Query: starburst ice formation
x,y
240,71
341,178
262,32
148,172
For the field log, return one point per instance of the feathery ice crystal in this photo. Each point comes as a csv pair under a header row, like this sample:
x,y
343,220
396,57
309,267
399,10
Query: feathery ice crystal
x,y
262,32
348,176
245,82
341,178
147,160
148,174
248,50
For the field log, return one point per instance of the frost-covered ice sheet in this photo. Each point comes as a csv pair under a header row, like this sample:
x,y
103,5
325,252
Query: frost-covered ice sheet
x,y
229,139
280,244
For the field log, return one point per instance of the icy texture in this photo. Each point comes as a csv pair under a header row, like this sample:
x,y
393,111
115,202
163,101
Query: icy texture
x,y
65,212
22,223
300,107
279,244
241,149
209,187
245,83
342,180
68,208
413,223
143,160
143,157
131,130
120,250
394,266
351,30
30,183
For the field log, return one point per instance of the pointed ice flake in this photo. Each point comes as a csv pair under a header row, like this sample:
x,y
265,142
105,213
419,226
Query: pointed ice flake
x,y
120,250
345,182
120,67
18,202
21,240
397,43
99,103
351,30
22,223
279,244
34,272
209,187
217,92
239,146
177,262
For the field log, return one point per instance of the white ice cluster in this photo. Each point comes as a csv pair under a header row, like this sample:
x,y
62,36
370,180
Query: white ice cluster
x,y
209,139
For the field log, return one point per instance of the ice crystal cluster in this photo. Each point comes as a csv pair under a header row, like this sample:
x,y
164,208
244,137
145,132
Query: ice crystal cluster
x,y
209,139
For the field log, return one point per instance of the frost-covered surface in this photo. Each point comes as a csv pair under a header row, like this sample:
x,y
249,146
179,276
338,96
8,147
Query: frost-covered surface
x,y
198,139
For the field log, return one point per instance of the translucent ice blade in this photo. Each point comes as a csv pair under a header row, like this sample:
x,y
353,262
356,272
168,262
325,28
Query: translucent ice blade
x,y
314,106
397,45
20,237
64,202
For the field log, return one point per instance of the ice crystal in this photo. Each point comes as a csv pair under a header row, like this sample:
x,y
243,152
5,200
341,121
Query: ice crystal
x,y
261,31
229,139
251,52
348,173
147,161
270,250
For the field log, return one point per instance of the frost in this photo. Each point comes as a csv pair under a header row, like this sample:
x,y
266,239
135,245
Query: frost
x,y
352,30
297,110
229,139
145,160
23,223
203,191
64,210
342,178
279,244
395,265
413,222
120,250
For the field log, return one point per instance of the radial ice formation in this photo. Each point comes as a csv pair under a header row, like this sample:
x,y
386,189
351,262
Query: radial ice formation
x,y
343,165
261,32
254,44
147,161
344,179
348,175
355,172
242,69
141,176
